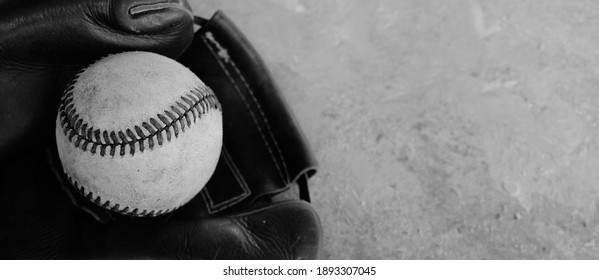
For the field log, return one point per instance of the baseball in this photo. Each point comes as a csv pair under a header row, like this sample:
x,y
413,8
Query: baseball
x,y
138,133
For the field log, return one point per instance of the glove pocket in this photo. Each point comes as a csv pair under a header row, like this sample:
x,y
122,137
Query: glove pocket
x,y
264,150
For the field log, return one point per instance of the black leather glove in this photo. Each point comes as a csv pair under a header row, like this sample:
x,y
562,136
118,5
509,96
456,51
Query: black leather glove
x,y
249,209
43,42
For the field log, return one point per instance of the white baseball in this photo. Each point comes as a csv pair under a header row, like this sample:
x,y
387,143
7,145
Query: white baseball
x,y
138,133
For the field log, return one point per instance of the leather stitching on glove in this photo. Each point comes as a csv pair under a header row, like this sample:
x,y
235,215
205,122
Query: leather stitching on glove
x,y
212,207
212,43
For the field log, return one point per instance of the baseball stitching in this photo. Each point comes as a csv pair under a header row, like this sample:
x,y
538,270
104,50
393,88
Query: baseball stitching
x,y
175,120
97,200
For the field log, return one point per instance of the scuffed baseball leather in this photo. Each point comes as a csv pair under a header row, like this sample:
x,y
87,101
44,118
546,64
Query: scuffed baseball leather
x,y
40,220
43,42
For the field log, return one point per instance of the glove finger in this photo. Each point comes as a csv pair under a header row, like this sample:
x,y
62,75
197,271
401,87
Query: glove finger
x,y
163,26
59,32
152,16
289,230
44,42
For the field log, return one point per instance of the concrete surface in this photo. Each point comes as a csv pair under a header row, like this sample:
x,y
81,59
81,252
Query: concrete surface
x,y
447,129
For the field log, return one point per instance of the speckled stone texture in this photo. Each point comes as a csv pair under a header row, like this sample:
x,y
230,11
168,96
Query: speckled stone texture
x,y
445,129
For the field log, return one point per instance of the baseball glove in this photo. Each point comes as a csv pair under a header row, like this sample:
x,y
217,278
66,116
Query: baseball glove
x,y
255,206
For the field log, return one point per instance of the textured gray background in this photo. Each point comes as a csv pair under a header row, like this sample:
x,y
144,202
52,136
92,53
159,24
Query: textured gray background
x,y
444,128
